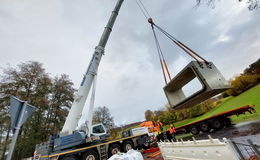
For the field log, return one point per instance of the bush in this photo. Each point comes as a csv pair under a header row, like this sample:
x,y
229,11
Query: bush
x,y
242,83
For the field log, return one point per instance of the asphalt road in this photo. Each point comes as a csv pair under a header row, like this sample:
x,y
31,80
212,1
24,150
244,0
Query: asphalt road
x,y
243,129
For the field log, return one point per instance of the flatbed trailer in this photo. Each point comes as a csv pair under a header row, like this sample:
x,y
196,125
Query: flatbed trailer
x,y
94,150
217,121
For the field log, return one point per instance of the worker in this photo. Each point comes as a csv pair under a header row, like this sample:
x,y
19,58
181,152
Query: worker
x,y
160,125
171,129
159,129
172,132
156,130
156,133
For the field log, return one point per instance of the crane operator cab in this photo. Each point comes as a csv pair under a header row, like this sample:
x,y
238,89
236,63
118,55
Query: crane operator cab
x,y
100,131
80,136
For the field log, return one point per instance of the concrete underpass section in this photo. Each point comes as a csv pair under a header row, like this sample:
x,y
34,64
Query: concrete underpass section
x,y
240,148
242,142
212,82
213,149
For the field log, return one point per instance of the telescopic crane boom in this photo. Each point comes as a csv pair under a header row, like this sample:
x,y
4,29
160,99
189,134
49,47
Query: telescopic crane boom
x,y
83,91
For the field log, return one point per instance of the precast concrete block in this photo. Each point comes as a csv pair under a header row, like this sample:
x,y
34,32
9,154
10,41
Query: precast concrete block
x,y
209,76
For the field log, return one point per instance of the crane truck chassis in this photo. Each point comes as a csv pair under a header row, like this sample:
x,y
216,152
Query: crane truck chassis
x,y
92,150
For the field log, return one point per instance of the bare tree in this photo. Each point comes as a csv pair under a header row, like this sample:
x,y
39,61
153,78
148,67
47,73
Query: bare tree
x,y
149,115
102,115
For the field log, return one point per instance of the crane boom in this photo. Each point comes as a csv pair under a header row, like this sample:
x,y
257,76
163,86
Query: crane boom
x,y
83,91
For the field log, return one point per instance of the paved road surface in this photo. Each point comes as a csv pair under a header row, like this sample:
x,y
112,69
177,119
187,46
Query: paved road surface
x,y
251,128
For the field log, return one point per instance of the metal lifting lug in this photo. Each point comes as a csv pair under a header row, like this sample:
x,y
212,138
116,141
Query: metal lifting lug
x,y
200,64
209,65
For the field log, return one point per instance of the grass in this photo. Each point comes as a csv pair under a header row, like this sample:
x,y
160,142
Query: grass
x,y
250,97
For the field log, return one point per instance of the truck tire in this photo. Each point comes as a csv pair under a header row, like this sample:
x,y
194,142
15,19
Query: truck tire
x,y
194,130
90,155
69,158
217,124
146,144
205,127
128,145
228,122
114,149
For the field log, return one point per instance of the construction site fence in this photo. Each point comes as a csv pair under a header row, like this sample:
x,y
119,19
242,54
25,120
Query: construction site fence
x,y
249,151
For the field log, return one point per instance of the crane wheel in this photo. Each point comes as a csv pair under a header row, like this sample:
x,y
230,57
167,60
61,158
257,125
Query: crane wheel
x,y
205,127
128,145
194,130
114,149
90,155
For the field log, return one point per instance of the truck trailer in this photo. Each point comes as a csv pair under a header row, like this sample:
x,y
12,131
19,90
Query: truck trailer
x,y
216,122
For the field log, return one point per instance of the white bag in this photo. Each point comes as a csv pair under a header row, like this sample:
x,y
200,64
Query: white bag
x,y
135,155
130,155
119,156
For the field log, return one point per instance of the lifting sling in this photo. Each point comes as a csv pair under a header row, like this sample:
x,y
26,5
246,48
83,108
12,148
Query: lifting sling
x,y
211,79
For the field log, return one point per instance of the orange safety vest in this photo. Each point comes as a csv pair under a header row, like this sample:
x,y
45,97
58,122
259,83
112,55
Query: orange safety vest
x,y
172,130
160,124
156,129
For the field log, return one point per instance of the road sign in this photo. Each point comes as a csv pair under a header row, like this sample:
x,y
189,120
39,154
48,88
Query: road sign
x,y
20,111
16,107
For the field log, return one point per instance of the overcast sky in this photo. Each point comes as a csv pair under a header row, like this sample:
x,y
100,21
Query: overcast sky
x,y
62,34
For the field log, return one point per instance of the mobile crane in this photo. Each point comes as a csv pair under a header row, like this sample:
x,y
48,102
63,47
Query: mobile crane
x,y
87,141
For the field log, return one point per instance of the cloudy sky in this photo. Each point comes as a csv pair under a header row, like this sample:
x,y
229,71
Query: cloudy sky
x,y
62,35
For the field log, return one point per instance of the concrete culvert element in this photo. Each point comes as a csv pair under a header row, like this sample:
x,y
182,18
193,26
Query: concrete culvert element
x,y
213,149
211,79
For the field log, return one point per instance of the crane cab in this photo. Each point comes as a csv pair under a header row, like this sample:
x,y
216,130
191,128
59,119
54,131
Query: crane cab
x,y
80,136
100,131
